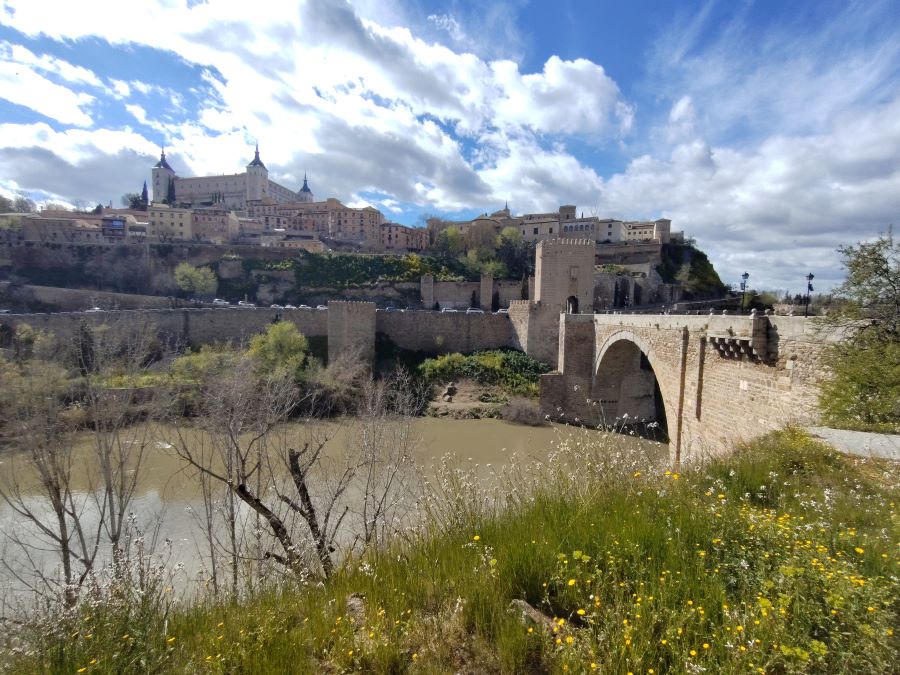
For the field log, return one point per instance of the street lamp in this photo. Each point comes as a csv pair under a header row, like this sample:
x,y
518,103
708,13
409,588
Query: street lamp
x,y
809,289
744,277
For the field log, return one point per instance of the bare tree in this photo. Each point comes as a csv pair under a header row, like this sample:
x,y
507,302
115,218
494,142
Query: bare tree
x,y
73,490
289,476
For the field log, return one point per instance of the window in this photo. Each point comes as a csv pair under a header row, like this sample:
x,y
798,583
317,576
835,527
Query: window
x,y
535,230
551,230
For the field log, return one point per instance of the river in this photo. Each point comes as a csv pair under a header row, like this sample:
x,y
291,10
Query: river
x,y
168,498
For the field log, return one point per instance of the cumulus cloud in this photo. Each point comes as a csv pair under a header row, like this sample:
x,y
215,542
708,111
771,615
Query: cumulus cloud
x,y
779,207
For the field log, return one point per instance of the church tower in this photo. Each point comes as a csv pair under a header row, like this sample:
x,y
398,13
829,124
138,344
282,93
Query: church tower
x,y
304,194
257,179
160,178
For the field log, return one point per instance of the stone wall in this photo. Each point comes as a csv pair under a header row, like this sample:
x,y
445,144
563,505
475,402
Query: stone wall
x,y
190,327
351,330
444,332
14,296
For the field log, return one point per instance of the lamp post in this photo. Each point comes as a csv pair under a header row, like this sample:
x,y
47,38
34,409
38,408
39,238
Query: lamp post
x,y
809,289
744,277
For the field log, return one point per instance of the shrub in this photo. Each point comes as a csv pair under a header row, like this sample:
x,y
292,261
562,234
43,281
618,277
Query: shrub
x,y
514,371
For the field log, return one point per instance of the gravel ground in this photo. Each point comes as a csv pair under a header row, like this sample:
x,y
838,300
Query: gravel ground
x,y
860,443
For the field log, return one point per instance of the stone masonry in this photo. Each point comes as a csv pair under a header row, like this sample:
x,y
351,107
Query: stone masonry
x,y
714,380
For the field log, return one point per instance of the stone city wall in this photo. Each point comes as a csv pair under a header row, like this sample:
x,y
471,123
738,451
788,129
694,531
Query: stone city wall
x,y
192,327
444,332
74,299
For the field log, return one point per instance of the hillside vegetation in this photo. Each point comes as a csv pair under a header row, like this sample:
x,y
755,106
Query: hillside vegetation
x,y
356,269
781,558
689,266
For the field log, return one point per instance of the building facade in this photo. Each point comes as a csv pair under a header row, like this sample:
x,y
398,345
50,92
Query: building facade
x,y
230,191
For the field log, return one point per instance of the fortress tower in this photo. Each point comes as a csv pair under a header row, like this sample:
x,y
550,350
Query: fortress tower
x,y
564,275
564,283
160,178
257,178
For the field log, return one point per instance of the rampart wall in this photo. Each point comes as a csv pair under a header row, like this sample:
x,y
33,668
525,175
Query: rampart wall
x,y
444,332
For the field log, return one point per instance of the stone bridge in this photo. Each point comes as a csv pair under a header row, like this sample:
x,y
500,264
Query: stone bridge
x,y
709,381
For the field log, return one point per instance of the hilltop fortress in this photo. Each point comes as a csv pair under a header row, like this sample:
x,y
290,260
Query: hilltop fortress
x,y
229,191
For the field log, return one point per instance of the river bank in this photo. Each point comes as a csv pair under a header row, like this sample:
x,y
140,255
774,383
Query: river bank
x,y
599,561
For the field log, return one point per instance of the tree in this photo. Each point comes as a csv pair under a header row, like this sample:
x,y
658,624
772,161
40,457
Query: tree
x,y
282,346
72,492
287,476
864,391
515,253
449,243
197,280
132,200
19,204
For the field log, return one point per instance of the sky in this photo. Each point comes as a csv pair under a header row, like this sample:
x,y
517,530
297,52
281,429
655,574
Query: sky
x,y
769,131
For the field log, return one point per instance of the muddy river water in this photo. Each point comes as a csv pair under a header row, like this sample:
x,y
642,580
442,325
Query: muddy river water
x,y
168,495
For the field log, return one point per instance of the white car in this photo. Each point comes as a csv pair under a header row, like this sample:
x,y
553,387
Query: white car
x,y
276,306
321,307
245,303
304,307
502,310
474,310
448,310
93,310
219,302
289,307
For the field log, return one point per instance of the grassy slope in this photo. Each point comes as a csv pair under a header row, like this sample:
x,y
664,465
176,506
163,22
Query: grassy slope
x,y
783,557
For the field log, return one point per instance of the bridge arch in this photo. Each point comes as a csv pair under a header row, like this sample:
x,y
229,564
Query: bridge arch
x,y
626,380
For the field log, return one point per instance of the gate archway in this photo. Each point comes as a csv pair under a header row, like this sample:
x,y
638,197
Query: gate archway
x,y
627,388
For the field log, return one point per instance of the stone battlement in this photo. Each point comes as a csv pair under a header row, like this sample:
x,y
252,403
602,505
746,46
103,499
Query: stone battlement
x,y
564,244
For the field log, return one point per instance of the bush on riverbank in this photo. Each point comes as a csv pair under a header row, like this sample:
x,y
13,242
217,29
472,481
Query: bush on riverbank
x,y
781,558
515,372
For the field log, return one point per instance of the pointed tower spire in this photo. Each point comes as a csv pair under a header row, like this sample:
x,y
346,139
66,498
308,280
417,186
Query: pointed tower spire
x,y
256,160
162,163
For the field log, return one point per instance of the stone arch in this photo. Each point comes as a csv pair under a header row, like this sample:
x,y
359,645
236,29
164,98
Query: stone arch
x,y
572,305
626,379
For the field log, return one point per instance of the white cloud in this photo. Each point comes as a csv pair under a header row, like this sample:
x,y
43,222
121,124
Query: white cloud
x,y
48,64
120,88
23,86
568,97
777,208
447,23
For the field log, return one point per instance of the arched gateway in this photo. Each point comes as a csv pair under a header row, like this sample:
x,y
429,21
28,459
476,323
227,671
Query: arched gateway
x,y
625,387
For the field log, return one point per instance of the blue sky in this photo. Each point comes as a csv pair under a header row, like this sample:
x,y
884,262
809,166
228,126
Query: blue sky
x,y
769,131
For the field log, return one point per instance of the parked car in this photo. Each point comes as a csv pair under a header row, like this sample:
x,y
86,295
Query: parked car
x,y
448,310
321,306
391,308
94,309
4,311
245,303
276,306
304,307
502,310
219,302
474,310
289,307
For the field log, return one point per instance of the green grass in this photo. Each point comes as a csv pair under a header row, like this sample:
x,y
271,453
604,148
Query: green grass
x,y
781,558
